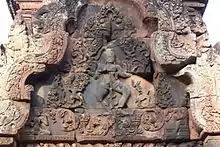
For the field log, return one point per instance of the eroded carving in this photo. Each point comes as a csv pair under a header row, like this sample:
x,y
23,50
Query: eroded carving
x,y
147,124
23,59
203,91
112,81
96,127
176,42
190,144
47,124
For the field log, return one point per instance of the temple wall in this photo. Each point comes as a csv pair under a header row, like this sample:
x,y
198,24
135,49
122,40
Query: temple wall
x,y
84,73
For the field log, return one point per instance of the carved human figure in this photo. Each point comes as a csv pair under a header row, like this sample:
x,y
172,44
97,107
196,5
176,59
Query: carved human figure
x,y
109,74
44,125
67,121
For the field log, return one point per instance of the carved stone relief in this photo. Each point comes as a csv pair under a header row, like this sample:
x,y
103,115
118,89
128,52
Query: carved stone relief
x,y
25,55
109,73
203,91
188,144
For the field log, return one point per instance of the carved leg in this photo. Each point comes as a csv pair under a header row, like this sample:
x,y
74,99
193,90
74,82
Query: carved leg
x,y
124,90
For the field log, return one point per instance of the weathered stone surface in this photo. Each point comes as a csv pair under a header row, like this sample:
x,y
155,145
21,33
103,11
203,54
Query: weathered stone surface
x,y
49,145
29,7
96,127
134,124
204,91
25,55
7,141
212,141
169,92
184,144
113,54
21,59
194,134
109,73
142,93
49,124
174,44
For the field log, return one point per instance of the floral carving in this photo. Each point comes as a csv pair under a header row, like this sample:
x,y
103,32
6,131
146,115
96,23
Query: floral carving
x,y
102,72
95,127
203,91
175,42
21,62
152,120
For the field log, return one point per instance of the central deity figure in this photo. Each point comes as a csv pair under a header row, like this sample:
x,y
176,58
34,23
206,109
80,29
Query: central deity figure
x,y
109,74
106,82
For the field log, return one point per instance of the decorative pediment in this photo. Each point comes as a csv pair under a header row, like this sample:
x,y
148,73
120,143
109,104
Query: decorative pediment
x,y
109,73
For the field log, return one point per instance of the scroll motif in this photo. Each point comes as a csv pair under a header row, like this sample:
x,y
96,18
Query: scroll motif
x,y
103,73
47,124
145,124
21,62
203,91
175,42
96,127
